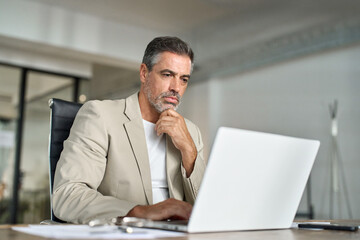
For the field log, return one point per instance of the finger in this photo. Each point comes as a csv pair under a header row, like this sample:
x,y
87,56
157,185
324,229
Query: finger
x,y
165,129
170,208
184,210
170,112
166,120
177,209
165,125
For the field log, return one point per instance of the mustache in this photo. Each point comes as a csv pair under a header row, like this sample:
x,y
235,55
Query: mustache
x,y
170,94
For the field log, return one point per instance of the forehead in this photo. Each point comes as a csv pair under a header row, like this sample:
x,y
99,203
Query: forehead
x,y
173,61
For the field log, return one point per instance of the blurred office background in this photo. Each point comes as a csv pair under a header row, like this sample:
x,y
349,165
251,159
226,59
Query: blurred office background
x,y
268,65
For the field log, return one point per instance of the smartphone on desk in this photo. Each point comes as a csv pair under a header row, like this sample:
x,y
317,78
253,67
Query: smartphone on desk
x,y
331,226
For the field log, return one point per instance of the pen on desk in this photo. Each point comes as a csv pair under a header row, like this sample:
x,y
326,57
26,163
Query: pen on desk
x,y
126,229
328,226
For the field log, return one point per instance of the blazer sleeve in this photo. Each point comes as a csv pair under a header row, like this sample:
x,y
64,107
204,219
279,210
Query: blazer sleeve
x,y
80,170
192,184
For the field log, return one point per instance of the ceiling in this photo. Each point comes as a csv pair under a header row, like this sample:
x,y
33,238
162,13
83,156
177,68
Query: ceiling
x,y
214,28
160,15
190,15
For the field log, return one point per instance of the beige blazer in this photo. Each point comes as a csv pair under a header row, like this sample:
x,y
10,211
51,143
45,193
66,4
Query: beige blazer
x,y
104,171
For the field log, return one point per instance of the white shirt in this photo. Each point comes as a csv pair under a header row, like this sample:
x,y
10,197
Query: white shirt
x,y
156,146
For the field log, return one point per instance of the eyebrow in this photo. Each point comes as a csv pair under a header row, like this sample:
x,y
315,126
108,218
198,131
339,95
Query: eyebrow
x,y
174,73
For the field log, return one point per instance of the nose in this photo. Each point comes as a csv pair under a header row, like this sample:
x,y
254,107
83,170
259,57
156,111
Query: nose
x,y
175,85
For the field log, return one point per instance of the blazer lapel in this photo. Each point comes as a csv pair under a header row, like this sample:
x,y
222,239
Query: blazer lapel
x,y
173,170
136,135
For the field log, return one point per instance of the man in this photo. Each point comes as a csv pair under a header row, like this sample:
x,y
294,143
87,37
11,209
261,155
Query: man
x,y
136,156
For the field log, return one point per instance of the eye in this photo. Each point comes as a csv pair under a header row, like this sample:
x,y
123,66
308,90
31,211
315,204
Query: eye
x,y
185,80
166,74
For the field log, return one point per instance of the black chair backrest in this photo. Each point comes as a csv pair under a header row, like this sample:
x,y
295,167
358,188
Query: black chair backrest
x,y
61,119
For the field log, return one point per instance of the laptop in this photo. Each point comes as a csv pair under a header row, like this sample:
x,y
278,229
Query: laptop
x,y
253,181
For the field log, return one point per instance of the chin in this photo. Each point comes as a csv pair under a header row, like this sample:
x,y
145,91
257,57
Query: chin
x,y
169,106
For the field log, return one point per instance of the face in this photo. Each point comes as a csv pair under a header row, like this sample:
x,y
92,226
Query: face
x,y
166,83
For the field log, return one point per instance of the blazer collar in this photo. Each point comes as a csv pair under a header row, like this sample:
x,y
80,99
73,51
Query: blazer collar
x,y
136,134
132,107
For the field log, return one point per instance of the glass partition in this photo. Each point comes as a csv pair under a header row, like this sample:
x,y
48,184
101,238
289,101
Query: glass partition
x,y
34,186
9,95
33,196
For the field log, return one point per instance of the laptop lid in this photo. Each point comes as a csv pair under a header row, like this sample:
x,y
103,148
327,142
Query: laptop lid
x,y
253,181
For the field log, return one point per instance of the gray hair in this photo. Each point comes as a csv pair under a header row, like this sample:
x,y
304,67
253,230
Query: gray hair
x,y
166,44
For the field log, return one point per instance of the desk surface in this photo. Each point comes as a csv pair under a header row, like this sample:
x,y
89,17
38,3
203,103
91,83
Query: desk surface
x,y
7,234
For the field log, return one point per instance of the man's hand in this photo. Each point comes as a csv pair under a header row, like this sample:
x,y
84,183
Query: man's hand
x,y
173,124
168,209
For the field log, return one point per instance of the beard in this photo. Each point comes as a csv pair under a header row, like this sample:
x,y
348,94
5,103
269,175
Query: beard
x,y
159,103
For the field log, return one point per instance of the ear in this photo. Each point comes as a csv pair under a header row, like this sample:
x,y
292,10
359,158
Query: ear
x,y
143,72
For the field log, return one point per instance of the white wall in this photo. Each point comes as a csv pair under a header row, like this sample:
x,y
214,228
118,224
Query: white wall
x,y
47,62
292,98
81,37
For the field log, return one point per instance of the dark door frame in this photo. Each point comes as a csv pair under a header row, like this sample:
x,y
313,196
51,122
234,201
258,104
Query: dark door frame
x,y
20,123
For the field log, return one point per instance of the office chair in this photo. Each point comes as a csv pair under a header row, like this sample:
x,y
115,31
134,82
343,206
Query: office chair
x,y
62,115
